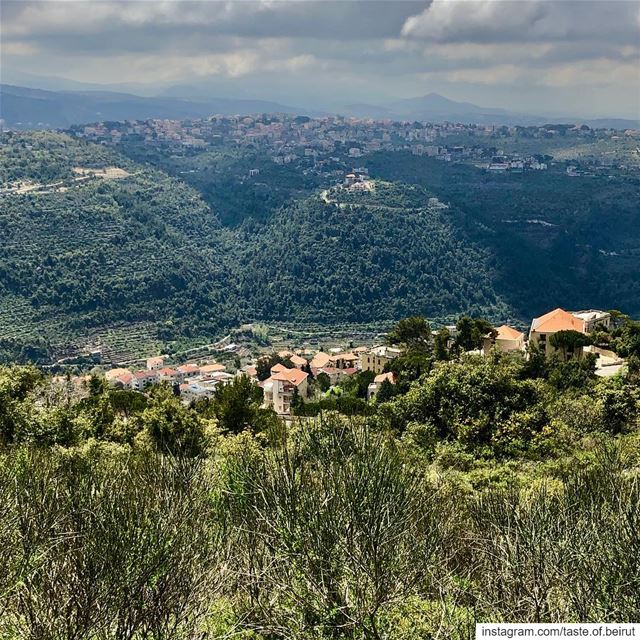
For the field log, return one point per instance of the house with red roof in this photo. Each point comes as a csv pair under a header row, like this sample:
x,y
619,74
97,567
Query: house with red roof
x,y
279,390
374,387
143,379
504,338
545,326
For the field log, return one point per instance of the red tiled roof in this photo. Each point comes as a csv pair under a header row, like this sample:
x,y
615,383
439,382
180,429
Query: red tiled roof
x,y
188,368
295,376
505,332
557,320
381,377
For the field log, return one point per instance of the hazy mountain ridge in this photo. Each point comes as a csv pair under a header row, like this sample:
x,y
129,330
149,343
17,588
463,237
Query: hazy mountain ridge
x,y
26,108
29,108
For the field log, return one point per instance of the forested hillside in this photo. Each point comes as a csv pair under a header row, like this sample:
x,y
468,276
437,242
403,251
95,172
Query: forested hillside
x,y
185,245
558,241
378,255
86,249
81,253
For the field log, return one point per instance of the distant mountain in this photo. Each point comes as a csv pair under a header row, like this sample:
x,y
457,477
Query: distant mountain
x,y
28,108
434,107
25,108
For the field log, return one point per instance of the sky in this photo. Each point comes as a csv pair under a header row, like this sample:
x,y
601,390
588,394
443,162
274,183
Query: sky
x,y
533,56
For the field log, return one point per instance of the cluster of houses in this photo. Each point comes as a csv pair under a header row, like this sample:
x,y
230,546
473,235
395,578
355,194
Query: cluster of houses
x,y
190,380
285,383
543,328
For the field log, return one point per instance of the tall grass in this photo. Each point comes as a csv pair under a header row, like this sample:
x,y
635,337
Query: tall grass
x,y
325,531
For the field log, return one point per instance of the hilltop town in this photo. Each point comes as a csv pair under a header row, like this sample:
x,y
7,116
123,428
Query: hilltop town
x,y
327,145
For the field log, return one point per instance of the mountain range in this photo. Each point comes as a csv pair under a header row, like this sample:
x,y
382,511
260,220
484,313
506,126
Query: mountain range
x,y
29,108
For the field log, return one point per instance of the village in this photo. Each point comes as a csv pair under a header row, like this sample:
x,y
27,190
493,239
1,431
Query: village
x,y
323,144
303,374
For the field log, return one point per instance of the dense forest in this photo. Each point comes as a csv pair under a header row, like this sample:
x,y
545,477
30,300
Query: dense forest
x,y
479,489
186,245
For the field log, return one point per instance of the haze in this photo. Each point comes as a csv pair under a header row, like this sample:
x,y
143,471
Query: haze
x,y
533,56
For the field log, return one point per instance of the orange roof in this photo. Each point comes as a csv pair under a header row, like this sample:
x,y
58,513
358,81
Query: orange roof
x,y
277,368
297,360
167,371
145,373
344,356
295,376
505,332
212,368
188,368
381,377
320,359
115,373
155,360
557,320
285,354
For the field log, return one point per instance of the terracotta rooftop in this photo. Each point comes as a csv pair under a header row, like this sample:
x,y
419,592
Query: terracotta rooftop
x,y
295,376
505,332
212,368
320,359
557,320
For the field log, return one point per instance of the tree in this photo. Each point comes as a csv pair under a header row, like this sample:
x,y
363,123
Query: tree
x,y
172,427
441,344
386,391
236,405
323,380
569,342
414,334
266,363
470,332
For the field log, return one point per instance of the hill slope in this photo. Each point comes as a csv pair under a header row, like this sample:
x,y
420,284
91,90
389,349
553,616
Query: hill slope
x,y
82,251
372,256
93,240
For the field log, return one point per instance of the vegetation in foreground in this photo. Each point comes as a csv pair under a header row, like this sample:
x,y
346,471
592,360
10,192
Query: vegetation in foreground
x,y
495,489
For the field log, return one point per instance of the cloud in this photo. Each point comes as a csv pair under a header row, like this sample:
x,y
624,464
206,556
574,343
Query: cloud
x,y
351,50
495,21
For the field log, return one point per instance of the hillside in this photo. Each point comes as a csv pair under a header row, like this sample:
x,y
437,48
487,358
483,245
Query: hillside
x,y
81,252
362,257
557,241
97,244
133,253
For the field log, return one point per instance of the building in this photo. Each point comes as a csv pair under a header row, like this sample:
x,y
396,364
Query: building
x,y
143,379
378,357
374,387
506,339
207,370
593,318
193,390
166,374
155,363
113,375
545,326
279,389
297,361
321,359
186,371
335,374
123,381
343,360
